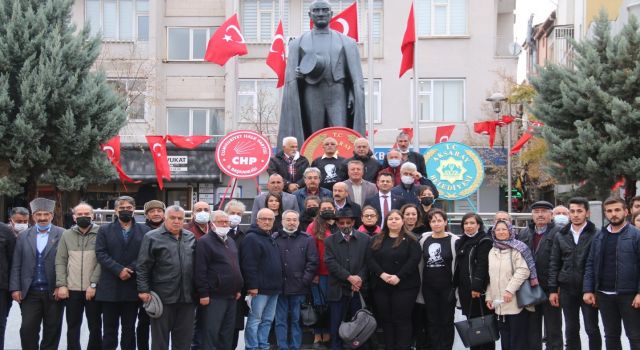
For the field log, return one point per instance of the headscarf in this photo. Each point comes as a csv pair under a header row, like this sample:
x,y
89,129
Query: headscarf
x,y
521,247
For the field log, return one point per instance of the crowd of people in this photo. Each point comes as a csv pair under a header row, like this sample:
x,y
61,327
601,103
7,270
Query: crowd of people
x,y
328,235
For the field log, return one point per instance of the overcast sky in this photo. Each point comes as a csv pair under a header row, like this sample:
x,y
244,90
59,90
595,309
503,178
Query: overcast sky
x,y
524,8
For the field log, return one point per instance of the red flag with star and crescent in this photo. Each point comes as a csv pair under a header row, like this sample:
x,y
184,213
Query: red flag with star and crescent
x,y
345,22
408,44
158,147
276,58
112,150
226,42
188,142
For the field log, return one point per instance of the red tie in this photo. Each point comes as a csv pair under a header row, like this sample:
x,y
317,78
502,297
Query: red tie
x,y
385,203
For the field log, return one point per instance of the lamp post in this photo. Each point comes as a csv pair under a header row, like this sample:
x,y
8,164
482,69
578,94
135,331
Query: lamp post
x,y
496,100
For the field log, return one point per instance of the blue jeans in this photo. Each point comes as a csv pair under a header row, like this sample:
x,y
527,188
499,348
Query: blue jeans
x,y
323,285
289,305
256,332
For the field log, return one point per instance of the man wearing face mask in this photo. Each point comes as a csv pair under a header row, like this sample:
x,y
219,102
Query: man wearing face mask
x,y
19,220
218,282
33,279
200,217
117,247
7,245
346,256
77,275
404,143
300,261
411,181
561,215
393,160
154,213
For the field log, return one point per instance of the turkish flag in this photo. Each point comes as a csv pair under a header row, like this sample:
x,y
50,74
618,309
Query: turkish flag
x,y
366,132
189,142
443,133
487,128
521,142
506,119
345,22
408,44
618,184
226,42
276,58
158,147
112,149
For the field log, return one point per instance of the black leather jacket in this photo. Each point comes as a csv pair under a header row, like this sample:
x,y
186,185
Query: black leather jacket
x,y
566,267
166,265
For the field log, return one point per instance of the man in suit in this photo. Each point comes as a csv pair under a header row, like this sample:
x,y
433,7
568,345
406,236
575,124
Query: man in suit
x,y
540,236
311,188
290,164
384,197
117,247
358,188
275,184
341,201
33,278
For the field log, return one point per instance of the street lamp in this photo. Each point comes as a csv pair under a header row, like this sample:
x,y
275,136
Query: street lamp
x,y
496,100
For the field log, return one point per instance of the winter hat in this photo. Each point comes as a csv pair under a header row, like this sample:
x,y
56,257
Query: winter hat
x,y
42,204
153,204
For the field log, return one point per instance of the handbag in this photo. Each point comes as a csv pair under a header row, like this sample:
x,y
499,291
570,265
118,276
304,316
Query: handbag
x,y
315,315
527,295
362,325
478,330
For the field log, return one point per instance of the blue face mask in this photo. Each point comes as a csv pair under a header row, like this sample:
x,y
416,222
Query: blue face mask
x,y
394,163
43,228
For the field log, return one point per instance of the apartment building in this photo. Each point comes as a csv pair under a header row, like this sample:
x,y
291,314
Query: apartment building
x,y
153,53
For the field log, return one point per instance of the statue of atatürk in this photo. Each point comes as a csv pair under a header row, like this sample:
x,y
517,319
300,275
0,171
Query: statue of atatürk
x,y
323,82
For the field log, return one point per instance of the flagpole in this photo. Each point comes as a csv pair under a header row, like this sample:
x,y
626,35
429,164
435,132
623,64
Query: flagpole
x,y
281,89
370,69
235,81
416,123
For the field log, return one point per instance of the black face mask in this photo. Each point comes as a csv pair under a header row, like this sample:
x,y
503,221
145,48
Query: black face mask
x,y
83,221
311,212
125,215
427,201
328,214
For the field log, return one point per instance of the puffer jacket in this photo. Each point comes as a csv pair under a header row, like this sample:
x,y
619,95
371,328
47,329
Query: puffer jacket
x,y
166,265
566,267
76,263
507,271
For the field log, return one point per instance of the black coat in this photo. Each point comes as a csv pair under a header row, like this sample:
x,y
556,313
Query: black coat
x,y
114,254
242,309
7,245
300,261
401,261
346,258
472,267
279,165
566,268
396,203
260,262
371,167
542,255
217,267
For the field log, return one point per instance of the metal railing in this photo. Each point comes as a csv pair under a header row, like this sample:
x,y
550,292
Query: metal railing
x,y
559,45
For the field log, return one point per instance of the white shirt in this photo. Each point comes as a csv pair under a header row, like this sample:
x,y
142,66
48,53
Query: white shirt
x,y
381,198
357,193
576,234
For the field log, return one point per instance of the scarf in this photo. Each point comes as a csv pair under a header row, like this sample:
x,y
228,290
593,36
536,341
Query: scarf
x,y
513,243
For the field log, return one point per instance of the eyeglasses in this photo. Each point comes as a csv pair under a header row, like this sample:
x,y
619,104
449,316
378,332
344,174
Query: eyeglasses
x,y
266,219
370,216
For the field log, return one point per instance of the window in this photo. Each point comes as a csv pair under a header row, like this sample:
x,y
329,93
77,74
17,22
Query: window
x,y
377,103
122,20
338,6
195,121
260,19
441,100
441,17
133,90
187,44
259,104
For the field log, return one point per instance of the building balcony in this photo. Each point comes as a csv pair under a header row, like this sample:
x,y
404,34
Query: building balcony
x,y
559,48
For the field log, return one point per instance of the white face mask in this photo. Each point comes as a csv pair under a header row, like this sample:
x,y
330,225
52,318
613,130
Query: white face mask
x,y
407,180
222,231
234,220
561,219
20,227
202,217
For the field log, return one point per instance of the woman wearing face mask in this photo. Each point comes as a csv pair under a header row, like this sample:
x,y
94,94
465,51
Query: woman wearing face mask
x,y
395,255
427,202
510,265
437,266
471,275
369,219
322,227
413,220
311,210
273,201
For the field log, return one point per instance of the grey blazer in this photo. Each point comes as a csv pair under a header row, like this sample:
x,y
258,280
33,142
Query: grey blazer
x,y
289,202
24,259
369,189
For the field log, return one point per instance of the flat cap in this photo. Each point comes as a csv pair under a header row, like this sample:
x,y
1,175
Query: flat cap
x,y
542,205
154,306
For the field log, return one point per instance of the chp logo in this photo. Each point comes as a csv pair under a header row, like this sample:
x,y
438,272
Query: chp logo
x,y
455,169
243,154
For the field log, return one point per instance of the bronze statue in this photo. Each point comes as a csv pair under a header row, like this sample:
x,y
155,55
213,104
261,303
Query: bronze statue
x,y
323,82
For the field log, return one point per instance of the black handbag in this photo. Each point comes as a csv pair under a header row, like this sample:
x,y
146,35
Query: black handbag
x,y
315,315
527,295
478,330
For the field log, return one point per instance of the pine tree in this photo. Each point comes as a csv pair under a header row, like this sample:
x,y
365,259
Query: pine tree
x,y
591,111
54,110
